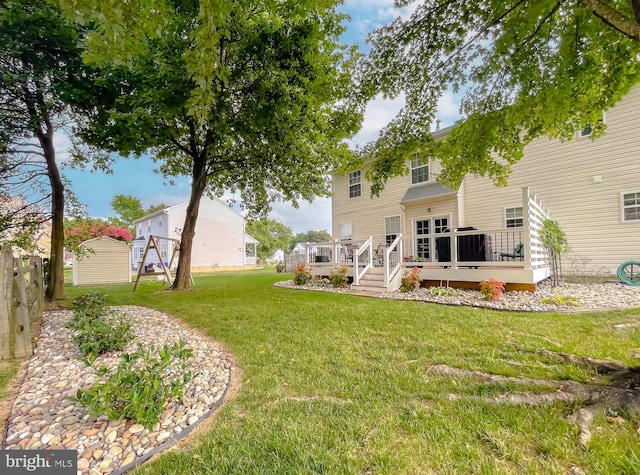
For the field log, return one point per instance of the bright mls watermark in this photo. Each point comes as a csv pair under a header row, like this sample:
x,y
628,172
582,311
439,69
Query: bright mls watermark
x,y
45,462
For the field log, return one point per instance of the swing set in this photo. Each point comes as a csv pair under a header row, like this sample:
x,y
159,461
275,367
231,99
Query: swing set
x,y
152,244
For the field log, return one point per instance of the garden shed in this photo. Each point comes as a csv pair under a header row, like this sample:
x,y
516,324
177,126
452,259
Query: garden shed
x,y
106,261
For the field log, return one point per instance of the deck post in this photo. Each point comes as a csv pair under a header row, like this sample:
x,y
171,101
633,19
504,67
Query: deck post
x,y
526,214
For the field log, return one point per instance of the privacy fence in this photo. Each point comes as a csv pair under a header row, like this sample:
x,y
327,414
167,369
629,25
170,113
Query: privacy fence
x,y
21,303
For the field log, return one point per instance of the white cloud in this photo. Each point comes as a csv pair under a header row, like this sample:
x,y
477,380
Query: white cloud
x,y
309,216
378,113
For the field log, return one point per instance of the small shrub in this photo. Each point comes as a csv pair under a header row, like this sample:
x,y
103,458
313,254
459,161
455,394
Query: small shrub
x,y
97,335
492,289
280,268
411,280
338,277
558,299
98,329
443,291
302,274
91,304
141,384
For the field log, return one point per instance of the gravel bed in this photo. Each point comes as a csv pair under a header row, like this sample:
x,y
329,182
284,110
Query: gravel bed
x,y
566,297
44,417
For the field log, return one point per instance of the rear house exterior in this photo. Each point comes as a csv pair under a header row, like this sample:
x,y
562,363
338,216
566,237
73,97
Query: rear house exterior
x,y
220,241
590,187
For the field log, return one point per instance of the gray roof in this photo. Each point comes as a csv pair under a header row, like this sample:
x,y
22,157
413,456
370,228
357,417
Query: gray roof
x,y
428,190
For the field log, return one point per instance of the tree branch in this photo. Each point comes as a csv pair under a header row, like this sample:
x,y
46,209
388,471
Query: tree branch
x,y
614,18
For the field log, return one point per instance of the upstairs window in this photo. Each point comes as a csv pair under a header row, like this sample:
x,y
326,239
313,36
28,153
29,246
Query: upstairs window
x,y
631,206
419,170
355,184
588,129
513,217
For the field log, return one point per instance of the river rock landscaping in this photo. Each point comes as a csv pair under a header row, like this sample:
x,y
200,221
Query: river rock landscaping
x,y
45,416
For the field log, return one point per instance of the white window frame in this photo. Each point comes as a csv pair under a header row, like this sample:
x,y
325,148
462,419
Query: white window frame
x,y
423,164
346,231
582,134
624,206
513,217
387,232
355,183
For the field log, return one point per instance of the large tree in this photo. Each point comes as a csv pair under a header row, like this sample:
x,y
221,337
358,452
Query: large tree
x,y
128,208
310,236
271,236
39,60
525,69
242,96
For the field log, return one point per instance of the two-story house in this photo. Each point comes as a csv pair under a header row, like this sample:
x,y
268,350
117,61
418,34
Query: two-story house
x,y
220,241
590,187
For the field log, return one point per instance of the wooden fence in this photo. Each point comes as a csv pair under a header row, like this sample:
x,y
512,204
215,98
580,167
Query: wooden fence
x,y
21,303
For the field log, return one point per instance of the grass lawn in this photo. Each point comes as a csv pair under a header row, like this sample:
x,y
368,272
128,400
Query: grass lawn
x,y
340,384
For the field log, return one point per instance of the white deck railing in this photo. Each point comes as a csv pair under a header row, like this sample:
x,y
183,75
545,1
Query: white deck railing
x,y
499,249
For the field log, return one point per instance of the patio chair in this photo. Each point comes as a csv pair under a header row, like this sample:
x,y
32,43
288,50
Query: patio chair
x,y
380,254
517,253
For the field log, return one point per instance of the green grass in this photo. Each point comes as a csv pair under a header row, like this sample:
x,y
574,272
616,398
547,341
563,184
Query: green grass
x,y
340,384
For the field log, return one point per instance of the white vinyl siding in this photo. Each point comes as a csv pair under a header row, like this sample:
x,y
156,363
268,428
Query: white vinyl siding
x,y
579,182
355,184
419,170
513,217
631,206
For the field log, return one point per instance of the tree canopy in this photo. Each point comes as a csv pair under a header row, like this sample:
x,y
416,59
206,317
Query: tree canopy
x,y
526,69
271,235
310,236
246,97
128,208
40,60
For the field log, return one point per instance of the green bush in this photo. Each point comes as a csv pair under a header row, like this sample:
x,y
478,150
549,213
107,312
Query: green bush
x,y
98,329
141,385
280,268
91,304
338,277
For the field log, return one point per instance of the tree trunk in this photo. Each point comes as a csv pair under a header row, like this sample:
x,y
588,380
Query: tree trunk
x,y
55,280
198,183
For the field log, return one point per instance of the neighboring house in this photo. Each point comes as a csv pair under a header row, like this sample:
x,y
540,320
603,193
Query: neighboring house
x,y
220,241
106,261
591,188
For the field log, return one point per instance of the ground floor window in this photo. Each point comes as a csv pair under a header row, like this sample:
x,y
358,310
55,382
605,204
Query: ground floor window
x,y
423,249
631,206
346,231
391,228
513,217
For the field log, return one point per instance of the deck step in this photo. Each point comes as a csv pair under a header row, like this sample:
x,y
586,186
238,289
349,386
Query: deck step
x,y
369,288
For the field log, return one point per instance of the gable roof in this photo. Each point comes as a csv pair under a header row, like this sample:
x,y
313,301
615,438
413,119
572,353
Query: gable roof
x,y
203,201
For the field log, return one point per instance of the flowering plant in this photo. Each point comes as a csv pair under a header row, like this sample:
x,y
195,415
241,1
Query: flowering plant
x,y
492,289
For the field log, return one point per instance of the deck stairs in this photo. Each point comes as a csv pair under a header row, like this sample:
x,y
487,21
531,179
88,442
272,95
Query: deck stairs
x,y
372,281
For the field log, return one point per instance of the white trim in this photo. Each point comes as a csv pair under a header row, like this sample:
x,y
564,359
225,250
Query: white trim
x,y
622,207
349,184
504,216
399,216
425,163
579,133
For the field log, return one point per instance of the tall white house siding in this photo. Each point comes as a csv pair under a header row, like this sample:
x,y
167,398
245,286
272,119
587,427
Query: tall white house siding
x,y
579,181
219,241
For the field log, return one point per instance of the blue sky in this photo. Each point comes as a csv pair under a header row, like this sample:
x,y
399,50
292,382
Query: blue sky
x,y
136,176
